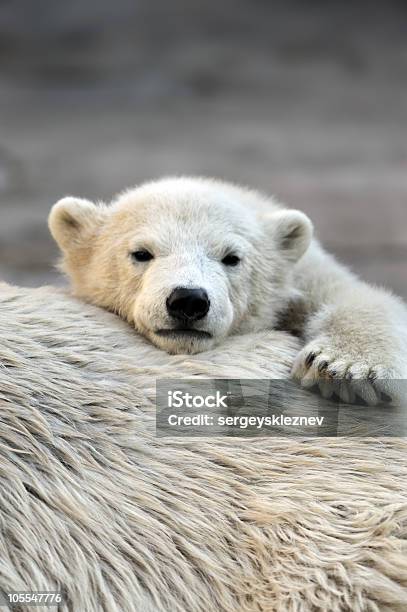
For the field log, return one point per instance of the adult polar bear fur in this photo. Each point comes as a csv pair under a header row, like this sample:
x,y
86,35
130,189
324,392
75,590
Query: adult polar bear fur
x,y
189,261
93,504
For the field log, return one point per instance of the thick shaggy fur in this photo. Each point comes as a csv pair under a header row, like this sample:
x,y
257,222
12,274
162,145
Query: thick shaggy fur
x,y
94,504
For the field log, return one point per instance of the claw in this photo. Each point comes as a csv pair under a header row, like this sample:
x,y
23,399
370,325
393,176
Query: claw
x,y
322,366
372,375
386,398
310,359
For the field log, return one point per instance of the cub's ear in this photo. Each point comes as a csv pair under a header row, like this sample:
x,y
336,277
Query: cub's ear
x,y
291,232
73,222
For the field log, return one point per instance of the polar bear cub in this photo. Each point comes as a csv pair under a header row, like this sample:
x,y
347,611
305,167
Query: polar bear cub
x,y
188,261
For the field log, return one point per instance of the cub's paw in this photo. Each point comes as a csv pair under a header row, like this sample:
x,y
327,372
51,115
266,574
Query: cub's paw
x,y
352,376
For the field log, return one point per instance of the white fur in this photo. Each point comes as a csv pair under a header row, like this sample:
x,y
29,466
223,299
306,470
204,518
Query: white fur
x,y
354,331
94,504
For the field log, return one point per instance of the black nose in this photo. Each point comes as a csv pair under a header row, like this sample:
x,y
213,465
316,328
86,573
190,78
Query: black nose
x,y
188,304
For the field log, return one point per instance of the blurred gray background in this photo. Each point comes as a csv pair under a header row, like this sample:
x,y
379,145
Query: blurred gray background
x,y
306,100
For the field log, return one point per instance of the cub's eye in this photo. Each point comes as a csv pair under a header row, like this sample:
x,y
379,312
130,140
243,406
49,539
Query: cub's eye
x,y
231,260
142,256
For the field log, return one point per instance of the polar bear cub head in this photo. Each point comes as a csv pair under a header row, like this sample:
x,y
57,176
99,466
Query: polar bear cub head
x,y
187,261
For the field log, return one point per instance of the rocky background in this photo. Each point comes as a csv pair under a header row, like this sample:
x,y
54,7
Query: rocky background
x,y
306,100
